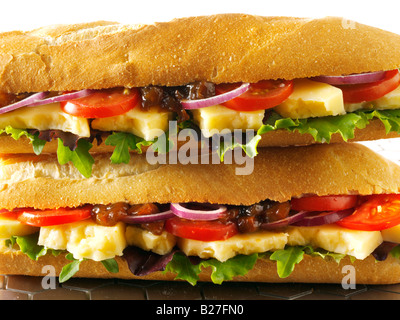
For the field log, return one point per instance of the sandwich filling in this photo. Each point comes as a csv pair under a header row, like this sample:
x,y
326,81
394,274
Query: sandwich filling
x,y
130,119
183,238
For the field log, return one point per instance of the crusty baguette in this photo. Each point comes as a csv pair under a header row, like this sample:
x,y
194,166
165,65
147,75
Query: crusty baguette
x,y
375,130
309,270
217,48
279,174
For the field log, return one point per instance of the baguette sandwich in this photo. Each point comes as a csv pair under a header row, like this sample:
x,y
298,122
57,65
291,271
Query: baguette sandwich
x,y
303,215
94,87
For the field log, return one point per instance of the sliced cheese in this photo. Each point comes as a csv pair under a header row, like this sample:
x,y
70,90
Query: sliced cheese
x,y
45,117
239,244
219,120
85,239
390,100
145,124
160,244
392,234
356,243
312,99
12,227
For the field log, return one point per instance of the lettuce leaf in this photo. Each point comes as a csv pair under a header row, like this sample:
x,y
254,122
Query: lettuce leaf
x,y
323,128
28,245
37,143
249,148
69,270
123,143
80,157
286,260
221,271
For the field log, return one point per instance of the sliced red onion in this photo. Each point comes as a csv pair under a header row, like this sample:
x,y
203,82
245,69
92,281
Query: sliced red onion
x,y
210,212
63,97
382,251
37,99
286,221
218,99
146,218
323,218
352,79
23,103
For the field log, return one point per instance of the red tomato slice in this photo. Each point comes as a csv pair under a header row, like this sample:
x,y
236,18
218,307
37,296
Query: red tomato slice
x,y
51,217
355,93
378,213
262,95
200,230
324,203
13,214
103,103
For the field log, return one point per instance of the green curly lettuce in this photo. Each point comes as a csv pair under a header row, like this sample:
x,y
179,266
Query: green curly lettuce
x,y
240,265
321,128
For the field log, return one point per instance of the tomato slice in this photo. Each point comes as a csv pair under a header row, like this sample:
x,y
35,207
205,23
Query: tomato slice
x,y
51,217
103,103
355,93
378,213
262,95
13,214
200,230
324,203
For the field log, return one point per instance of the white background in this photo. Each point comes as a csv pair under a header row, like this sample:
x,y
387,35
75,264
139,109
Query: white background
x,y
24,14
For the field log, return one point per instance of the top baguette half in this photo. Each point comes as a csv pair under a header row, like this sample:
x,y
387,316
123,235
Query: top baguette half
x,y
217,48
279,174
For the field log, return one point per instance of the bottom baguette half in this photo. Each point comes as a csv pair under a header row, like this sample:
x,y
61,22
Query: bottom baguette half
x,y
309,270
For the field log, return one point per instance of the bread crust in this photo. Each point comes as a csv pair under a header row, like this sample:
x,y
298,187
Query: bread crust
x,y
278,174
309,270
217,48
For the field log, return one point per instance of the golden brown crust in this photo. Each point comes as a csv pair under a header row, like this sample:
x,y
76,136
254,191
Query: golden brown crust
x,y
218,48
375,130
279,174
309,270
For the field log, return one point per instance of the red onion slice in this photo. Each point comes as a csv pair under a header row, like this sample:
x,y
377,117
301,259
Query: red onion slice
x,y
37,99
64,97
146,218
214,213
352,79
323,218
23,103
285,222
218,99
